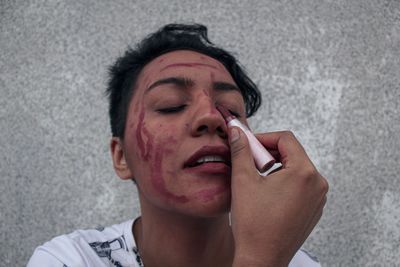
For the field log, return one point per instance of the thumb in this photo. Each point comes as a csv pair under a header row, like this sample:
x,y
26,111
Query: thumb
x,y
241,158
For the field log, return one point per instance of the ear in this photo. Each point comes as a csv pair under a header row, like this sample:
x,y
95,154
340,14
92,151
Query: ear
x,y
119,160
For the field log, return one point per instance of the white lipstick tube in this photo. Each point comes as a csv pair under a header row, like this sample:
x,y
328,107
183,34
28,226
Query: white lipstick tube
x,y
262,158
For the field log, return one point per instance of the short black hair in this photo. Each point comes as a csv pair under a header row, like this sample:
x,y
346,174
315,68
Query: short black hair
x,y
171,37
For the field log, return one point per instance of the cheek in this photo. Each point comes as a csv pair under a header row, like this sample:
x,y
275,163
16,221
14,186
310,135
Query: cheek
x,y
164,150
156,149
144,139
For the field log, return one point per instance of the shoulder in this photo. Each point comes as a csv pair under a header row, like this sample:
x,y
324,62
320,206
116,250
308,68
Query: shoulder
x,y
92,247
303,258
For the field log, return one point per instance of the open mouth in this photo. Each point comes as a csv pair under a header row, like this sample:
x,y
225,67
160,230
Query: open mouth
x,y
210,160
207,160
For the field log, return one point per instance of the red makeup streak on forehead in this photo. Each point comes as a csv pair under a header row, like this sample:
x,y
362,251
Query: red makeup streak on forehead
x,y
212,77
189,65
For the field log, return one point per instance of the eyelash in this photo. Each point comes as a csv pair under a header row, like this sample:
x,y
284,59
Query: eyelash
x,y
171,109
177,109
234,113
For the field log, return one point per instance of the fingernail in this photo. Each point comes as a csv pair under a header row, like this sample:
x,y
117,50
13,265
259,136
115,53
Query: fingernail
x,y
235,135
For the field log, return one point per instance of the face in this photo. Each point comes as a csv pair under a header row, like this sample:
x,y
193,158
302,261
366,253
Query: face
x,y
175,144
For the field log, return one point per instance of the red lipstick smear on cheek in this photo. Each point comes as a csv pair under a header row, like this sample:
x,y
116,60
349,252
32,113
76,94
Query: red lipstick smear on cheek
x,y
149,144
145,148
157,172
155,155
139,138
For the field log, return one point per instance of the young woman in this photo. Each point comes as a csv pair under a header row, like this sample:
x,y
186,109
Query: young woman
x,y
203,202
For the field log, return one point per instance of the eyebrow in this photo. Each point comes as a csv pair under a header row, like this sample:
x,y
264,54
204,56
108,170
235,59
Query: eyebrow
x,y
178,81
183,82
224,86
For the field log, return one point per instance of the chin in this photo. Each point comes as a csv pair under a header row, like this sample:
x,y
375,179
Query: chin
x,y
210,208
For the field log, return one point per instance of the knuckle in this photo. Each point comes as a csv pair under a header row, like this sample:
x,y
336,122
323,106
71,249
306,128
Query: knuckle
x,y
324,185
288,134
309,172
324,201
237,149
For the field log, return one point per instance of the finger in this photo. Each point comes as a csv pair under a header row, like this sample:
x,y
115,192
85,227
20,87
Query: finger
x,y
275,154
275,170
241,158
289,148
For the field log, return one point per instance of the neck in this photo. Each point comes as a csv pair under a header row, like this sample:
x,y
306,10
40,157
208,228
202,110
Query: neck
x,y
170,239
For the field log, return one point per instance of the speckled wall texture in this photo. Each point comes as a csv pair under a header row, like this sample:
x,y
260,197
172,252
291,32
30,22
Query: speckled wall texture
x,y
328,70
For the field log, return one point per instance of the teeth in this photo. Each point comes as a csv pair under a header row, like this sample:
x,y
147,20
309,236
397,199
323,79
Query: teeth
x,y
210,159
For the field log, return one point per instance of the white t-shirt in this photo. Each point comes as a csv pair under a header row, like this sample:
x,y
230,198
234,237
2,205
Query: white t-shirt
x,y
110,246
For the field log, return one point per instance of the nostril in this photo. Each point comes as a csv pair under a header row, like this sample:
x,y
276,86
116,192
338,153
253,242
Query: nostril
x,y
221,132
202,128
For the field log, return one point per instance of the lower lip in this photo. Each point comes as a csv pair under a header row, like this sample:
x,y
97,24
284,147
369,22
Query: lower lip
x,y
210,168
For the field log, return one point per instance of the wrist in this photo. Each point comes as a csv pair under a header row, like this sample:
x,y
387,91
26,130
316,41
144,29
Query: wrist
x,y
260,258
248,261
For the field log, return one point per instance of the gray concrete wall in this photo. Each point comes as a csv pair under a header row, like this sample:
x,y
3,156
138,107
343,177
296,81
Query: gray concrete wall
x,y
328,70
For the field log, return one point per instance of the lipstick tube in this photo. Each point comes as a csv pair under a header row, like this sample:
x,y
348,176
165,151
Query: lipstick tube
x,y
262,158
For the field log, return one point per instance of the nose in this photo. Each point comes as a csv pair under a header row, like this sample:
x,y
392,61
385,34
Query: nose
x,y
208,120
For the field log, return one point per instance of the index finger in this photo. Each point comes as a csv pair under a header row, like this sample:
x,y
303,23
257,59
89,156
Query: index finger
x,y
289,148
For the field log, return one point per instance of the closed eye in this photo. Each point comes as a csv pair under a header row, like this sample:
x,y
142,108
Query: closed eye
x,y
234,113
171,110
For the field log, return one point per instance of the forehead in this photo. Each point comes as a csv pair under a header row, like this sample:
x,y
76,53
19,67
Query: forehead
x,y
182,58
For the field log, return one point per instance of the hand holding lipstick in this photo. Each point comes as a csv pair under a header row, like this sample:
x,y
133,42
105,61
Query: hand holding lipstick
x,y
272,216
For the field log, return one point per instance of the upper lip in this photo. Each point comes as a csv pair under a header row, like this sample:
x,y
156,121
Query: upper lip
x,y
221,151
